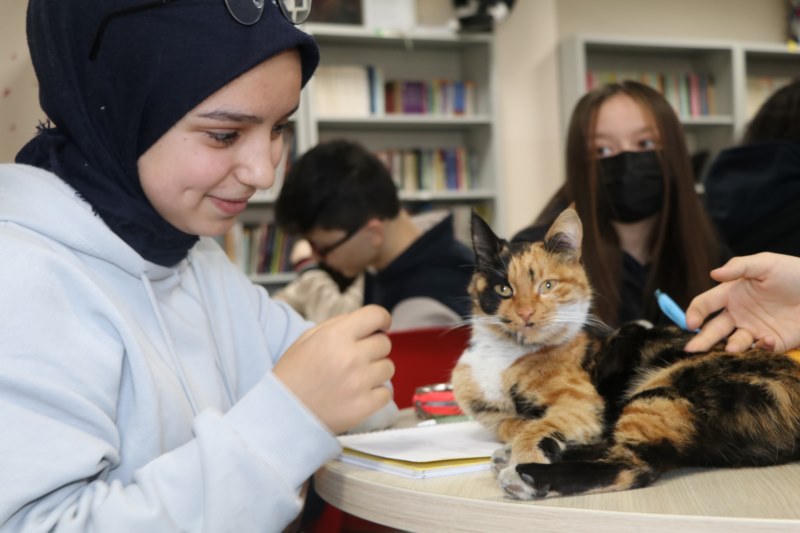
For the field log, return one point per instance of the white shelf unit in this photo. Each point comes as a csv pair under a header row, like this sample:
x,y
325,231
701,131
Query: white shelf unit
x,y
730,63
420,54
775,62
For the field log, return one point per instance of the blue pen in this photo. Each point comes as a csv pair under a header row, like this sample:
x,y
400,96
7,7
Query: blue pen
x,y
672,310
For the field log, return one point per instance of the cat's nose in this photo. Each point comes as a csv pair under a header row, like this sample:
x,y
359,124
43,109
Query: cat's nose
x,y
525,315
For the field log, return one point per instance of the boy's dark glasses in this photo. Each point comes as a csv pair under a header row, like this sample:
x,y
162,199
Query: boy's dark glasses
x,y
246,12
323,251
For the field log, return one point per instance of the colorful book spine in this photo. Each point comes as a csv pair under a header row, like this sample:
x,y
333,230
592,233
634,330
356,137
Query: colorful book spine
x,y
693,82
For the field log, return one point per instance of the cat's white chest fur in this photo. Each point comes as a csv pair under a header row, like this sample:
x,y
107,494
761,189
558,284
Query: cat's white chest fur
x,y
488,357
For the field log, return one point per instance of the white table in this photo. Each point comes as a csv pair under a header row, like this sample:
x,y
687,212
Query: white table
x,y
720,500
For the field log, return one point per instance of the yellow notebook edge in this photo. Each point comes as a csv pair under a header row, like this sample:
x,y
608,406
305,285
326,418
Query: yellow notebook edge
x,y
417,465
418,470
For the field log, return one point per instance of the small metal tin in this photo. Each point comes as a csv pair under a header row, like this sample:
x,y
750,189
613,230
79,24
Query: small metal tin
x,y
435,400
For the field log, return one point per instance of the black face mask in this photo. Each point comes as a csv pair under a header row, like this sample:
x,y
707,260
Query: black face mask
x,y
631,185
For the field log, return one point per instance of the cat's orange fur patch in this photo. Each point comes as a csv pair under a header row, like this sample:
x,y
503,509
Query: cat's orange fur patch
x,y
656,420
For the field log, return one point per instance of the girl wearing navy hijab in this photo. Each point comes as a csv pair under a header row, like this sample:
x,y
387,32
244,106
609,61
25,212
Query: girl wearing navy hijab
x,y
145,383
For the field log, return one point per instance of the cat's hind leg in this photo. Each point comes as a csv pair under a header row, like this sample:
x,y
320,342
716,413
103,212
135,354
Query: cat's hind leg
x,y
650,436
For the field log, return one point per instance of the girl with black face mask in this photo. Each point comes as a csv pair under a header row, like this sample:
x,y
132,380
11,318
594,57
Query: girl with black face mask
x,y
630,177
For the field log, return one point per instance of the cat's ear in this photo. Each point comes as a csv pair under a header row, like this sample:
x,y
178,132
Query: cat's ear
x,y
484,242
565,235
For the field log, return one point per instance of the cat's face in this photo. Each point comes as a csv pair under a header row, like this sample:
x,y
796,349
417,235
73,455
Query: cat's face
x,y
533,293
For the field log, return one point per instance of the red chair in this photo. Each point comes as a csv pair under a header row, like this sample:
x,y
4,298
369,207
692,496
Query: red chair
x,y
423,357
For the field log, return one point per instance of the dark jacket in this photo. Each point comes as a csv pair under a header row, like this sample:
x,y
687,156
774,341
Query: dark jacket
x,y
436,266
752,193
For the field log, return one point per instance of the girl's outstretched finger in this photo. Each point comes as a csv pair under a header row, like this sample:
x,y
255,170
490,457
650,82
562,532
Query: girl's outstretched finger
x,y
711,333
703,305
740,340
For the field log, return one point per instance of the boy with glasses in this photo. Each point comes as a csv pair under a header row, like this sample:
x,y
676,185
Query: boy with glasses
x,y
343,201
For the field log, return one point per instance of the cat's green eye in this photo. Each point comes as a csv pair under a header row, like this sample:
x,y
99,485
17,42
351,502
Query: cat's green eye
x,y
547,286
503,290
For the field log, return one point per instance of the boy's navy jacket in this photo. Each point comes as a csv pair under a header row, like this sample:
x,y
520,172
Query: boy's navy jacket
x,y
436,266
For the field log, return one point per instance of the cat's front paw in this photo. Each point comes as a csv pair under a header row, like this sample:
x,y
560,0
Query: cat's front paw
x,y
515,486
501,459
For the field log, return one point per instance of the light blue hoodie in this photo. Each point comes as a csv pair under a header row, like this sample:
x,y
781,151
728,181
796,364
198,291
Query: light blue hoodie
x,y
135,397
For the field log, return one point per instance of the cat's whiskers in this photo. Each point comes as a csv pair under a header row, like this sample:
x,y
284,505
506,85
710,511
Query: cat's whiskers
x,y
595,322
485,319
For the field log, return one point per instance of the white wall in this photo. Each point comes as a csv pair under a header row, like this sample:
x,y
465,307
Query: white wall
x,y
530,149
19,97
530,152
746,20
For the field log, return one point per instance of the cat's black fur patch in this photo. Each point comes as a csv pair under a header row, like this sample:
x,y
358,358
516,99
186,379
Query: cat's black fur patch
x,y
525,407
483,407
568,478
551,447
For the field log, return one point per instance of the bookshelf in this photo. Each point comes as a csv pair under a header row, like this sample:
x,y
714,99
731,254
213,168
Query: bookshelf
x,y
740,76
452,149
419,55
766,68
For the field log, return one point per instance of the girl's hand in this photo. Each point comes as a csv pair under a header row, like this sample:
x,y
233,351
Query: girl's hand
x,y
759,296
339,368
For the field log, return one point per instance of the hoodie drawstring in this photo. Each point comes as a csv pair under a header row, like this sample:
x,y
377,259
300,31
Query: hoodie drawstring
x,y
175,362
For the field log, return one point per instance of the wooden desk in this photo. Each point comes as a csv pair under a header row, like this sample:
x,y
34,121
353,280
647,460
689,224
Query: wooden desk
x,y
721,501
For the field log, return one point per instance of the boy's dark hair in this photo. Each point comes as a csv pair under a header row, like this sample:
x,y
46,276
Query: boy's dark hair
x,y
336,185
778,118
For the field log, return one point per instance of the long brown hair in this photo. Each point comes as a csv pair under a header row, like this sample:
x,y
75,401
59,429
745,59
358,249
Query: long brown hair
x,y
683,245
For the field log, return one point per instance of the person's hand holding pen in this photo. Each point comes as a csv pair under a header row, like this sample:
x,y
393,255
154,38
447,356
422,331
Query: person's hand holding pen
x,y
339,369
759,299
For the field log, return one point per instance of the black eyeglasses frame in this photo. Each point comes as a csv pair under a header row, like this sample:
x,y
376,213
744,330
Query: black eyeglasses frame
x,y
325,251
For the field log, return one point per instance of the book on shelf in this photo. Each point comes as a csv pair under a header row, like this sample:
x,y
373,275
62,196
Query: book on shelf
x,y
691,94
429,169
377,104
258,248
694,94
423,451
683,91
414,97
362,91
759,88
437,97
343,90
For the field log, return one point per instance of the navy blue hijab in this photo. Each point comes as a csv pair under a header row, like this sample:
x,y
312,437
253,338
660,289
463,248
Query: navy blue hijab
x,y
150,69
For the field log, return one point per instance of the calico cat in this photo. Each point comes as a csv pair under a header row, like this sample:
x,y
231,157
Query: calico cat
x,y
583,408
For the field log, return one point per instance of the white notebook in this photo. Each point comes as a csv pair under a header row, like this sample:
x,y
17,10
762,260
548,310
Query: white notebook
x,y
423,451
